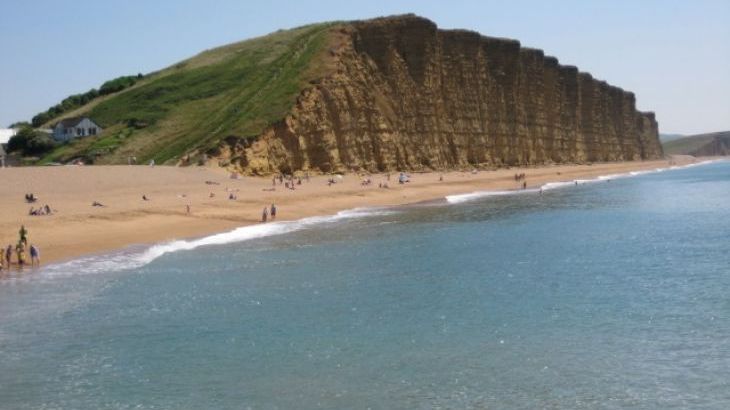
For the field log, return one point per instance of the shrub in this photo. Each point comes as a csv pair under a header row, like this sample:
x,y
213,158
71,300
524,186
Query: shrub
x,y
30,142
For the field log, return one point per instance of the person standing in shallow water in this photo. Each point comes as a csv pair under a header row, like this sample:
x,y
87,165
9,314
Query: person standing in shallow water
x,y
273,212
8,255
264,214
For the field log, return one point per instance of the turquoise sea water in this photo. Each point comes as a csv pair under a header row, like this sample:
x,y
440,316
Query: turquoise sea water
x,y
612,294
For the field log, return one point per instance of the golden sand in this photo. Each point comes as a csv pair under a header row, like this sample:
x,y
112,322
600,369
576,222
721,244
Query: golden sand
x,y
76,227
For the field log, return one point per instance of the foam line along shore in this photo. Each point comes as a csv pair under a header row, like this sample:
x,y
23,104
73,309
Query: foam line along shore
x,y
219,203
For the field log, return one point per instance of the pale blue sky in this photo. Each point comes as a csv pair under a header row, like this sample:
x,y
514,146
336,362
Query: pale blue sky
x,y
675,55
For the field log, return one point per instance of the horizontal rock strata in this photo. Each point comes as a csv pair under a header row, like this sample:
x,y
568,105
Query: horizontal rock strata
x,y
404,95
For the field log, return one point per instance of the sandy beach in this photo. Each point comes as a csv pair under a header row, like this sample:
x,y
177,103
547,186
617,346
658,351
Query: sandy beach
x,y
77,228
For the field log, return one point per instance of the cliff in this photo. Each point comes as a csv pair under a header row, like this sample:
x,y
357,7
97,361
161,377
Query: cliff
x,y
385,94
405,95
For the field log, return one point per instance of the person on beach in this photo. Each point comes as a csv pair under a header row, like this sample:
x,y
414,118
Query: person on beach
x,y
264,214
524,185
273,212
22,233
8,255
35,256
20,252
187,209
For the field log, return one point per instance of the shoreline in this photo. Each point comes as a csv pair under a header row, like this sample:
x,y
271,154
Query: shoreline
x,y
77,230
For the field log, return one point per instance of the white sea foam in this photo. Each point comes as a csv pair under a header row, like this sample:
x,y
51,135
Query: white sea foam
x,y
131,259
136,257
457,199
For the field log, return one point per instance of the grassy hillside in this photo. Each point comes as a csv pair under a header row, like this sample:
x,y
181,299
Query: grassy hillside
x,y
664,138
237,89
691,144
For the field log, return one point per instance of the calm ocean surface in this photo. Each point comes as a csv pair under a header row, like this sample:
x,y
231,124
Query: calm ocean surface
x,y
613,294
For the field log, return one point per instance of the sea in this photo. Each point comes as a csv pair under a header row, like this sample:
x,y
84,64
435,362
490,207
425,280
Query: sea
x,y
611,293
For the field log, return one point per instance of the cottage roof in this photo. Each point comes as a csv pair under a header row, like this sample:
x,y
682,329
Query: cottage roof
x,y
70,122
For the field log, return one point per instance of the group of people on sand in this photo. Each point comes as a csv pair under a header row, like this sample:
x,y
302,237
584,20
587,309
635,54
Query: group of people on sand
x,y
521,177
268,211
44,210
288,180
21,249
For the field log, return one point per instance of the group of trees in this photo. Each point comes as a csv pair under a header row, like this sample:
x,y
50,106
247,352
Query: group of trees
x,y
77,100
30,142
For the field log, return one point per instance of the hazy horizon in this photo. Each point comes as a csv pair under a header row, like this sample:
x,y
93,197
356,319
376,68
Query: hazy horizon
x,y
673,55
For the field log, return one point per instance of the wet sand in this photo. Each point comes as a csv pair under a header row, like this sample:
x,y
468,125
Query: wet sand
x,y
77,228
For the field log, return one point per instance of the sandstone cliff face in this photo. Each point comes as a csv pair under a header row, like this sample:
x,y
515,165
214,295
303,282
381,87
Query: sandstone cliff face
x,y
404,95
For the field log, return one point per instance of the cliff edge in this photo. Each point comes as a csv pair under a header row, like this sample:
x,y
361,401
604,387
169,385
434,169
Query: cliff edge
x,y
402,94
386,94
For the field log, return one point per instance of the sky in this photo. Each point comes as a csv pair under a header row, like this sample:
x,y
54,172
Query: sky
x,y
674,55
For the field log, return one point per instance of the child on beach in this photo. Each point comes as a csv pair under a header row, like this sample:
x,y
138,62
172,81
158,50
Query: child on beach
x,y
264,214
273,212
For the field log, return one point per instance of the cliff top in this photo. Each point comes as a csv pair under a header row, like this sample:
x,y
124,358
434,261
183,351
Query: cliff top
x,y
240,89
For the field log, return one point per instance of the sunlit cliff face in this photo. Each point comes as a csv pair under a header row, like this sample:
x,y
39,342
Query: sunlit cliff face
x,y
402,94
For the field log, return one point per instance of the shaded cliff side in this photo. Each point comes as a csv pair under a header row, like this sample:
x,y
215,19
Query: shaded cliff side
x,y
402,94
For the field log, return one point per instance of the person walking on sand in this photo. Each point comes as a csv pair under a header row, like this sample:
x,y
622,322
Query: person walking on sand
x,y
273,212
35,256
264,214
187,208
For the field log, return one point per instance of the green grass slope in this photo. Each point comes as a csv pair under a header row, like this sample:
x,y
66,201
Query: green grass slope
x,y
692,144
237,89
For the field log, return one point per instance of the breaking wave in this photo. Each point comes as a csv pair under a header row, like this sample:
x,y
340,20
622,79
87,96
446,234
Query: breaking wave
x,y
460,198
131,258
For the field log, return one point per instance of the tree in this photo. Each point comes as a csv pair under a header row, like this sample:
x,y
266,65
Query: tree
x,y
19,124
30,142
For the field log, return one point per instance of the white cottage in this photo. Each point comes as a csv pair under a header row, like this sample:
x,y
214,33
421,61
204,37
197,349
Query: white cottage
x,y
75,127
